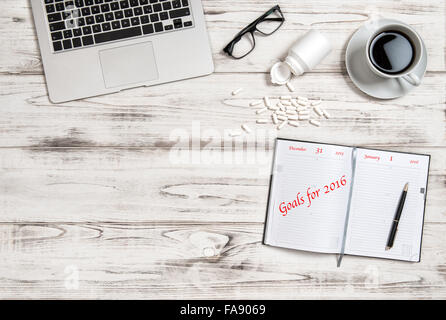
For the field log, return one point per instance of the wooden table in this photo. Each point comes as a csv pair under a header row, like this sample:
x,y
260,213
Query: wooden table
x,y
96,201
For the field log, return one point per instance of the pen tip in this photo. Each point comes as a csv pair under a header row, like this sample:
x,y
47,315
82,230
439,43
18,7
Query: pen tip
x,y
406,187
387,248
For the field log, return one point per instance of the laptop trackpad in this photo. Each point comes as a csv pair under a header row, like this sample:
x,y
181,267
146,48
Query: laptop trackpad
x,y
128,65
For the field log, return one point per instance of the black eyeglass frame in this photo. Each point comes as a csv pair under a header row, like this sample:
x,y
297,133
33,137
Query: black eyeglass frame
x,y
251,28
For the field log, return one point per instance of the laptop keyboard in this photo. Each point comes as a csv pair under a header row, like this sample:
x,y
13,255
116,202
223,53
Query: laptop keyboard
x,y
75,24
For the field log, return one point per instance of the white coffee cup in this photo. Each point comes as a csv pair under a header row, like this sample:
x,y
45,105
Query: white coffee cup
x,y
417,44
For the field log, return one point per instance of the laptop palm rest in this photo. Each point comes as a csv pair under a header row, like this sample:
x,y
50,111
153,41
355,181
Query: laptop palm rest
x,y
128,65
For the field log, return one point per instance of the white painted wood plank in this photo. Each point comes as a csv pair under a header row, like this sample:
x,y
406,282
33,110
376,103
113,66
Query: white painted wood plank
x,y
148,117
225,261
149,185
338,19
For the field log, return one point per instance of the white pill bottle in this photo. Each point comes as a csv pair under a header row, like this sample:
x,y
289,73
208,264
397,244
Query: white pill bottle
x,y
305,54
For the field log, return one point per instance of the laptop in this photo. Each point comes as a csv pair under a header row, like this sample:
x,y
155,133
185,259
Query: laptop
x,y
95,47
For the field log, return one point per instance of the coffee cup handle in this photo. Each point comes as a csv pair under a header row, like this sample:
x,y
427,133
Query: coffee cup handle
x,y
413,79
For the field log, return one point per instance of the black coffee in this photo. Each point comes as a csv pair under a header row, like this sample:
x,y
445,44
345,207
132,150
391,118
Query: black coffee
x,y
392,52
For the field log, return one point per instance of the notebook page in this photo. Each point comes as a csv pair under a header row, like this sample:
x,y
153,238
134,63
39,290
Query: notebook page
x,y
379,181
295,219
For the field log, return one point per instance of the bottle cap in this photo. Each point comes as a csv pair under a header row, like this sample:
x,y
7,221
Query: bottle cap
x,y
280,73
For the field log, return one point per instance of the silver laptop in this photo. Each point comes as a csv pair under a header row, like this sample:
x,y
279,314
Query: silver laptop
x,y
94,47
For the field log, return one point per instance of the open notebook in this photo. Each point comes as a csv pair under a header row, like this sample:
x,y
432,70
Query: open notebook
x,y
337,199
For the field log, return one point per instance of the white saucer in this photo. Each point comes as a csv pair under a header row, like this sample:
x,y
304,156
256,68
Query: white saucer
x,y
364,78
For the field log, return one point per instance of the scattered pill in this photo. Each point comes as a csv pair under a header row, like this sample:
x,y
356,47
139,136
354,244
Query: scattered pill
x,y
285,97
236,92
318,111
316,103
246,128
290,86
291,112
275,120
315,123
267,101
281,113
304,117
293,117
302,103
283,124
255,103
302,98
283,118
235,133
261,121
300,109
304,113
260,111
286,103
326,114
293,123
272,108
294,103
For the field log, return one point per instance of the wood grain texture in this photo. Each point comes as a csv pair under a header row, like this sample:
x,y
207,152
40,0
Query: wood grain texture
x,y
97,201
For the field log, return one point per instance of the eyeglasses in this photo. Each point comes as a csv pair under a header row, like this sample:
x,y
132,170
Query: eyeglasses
x,y
244,42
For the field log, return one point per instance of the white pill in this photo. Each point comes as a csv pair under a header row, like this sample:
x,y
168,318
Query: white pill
x,y
275,120
318,111
286,103
267,101
300,109
291,112
293,117
290,86
304,117
283,118
283,124
293,123
315,123
246,128
304,113
272,108
302,98
302,103
262,111
235,133
326,114
262,121
235,92
294,103
281,113
255,103
285,97
316,103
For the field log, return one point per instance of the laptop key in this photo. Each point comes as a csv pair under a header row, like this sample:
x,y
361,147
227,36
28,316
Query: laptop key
x,y
118,34
116,25
179,13
164,15
87,41
106,26
168,27
159,27
67,44
177,23
57,26
77,42
50,8
134,21
187,23
145,19
125,23
56,36
97,28
147,29
57,46
54,17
